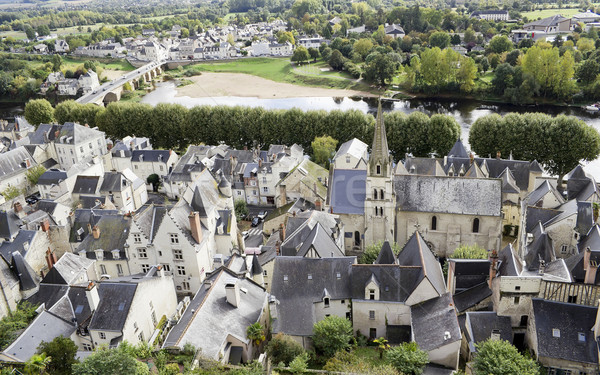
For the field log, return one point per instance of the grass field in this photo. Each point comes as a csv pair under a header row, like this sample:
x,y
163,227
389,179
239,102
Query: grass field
x,y
280,70
123,65
62,31
534,15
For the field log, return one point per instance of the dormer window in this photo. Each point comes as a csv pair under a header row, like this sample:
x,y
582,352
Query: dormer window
x,y
116,254
555,332
99,254
581,336
372,294
326,301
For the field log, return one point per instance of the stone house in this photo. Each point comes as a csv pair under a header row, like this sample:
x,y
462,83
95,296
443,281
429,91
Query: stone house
x,y
307,181
124,189
14,165
75,143
550,25
147,162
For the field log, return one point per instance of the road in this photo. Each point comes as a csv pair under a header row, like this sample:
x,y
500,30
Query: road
x,y
109,86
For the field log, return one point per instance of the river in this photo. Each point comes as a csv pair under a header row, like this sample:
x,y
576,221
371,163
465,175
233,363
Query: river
x,y
464,111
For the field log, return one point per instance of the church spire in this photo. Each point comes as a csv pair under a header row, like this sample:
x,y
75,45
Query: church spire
x,y
380,156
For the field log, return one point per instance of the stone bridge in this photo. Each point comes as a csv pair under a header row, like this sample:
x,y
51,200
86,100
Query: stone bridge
x,y
111,91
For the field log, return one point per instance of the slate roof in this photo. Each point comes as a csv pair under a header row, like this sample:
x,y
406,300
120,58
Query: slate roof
x,y
9,224
458,150
295,312
190,162
520,169
470,272
585,217
393,29
591,240
23,239
44,133
454,195
149,219
481,324
424,166
114,230
153,156
386,255
68,269
348,191
434,323
13,162
115,302
540,249
571,320
416,253
396,283
210,319
52,176
548,21
537,215
541,191
510,264
509,185
472,296
78,133
48,294
86,185
321,242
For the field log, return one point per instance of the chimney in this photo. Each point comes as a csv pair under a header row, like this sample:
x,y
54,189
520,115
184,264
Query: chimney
x,y
277,247
232,292
45,225
89,228
471,158
96,232
590,271
281,232
259,163
50,258
17,207
498,154
109,146
56,134
91,293
195,226
586,258
493,266
318,205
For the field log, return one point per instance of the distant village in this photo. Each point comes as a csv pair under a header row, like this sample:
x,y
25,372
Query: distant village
x,y
116,241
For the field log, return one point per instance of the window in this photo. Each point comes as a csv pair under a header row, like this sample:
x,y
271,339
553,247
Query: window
x,y
174,238
310,276
265,189
81,149
161,168
102,335
145,268
264,180
153,315
71,151
177,254
476,225
159,253
142,253
326,301
135,167
185,285
372,314
434,223
516,300
347,159
563,249
102,269
381,196
239,192
555,332
264,272
372,333
90,145
356,238
253,192
371,294
374,193
285,277
524,319
167,267
572,299
87,347
338,275
141,336
581,336
517,287
378,169
181,270
137,238
119,269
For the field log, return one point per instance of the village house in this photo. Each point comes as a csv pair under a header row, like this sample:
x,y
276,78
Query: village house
x,y
491,15
307,181
124,189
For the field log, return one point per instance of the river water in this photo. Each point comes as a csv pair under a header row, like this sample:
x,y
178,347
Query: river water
x,y
464,111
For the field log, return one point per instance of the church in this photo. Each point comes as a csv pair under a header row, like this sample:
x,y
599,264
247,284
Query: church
x,y
378,200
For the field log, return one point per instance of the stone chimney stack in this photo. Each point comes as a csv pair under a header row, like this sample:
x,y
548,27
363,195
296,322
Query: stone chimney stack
x,y
96,232
91,293
232,292
281,232
498,155
590,271
318,206
195,226
493,266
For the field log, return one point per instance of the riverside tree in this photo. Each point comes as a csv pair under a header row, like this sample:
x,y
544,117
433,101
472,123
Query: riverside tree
x,y
39,111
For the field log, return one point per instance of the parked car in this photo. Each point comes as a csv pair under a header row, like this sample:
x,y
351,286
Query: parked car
x,y
255,221
262,215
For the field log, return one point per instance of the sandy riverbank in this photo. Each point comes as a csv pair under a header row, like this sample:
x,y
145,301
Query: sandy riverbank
x,y
237,84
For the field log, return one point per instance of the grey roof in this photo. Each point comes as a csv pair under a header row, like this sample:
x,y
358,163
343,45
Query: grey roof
x,y
354,147
585,217
296,315
114,230
396,283
510,264
113,181
9,224
455,195
150,155
386,255
348,191
535,196
149,219
45,327
458,150
548,21
319,241
113,309
52,176
424,166
13,162
433,321
591,240
86,185
469,272
509,185
520,169
481,324
540,249
393,29
472,296
190,162
47,206
572,320
537,215
76,134
68,269
416,253
23,240
210,319
44,133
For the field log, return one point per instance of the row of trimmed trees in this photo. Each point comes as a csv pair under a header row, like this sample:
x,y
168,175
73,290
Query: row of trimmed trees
x,y
173,126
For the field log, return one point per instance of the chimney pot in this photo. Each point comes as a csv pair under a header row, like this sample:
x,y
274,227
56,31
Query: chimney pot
x,y
96,232
232,293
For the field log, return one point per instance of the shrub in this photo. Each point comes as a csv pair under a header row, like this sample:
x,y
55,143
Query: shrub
x,y
408,358
283,348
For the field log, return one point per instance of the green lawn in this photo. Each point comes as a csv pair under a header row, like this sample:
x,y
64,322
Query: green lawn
x,y
279,70
370,355
534,15
314,69
120,64
62,32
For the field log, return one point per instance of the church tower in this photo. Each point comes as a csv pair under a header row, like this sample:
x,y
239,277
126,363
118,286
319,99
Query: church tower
x,y
380,198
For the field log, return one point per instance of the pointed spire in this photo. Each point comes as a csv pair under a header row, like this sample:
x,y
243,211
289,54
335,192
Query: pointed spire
x,y
380,154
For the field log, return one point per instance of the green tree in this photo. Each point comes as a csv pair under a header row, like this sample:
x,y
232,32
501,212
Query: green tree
x,y
39,111
588,71
11,192
455,39
314,53
153,180
500,43
499,357
439,39
372,252
408,358
43,30
443,133
331,335
323,150
282,348
336,60
33,174
30,32
62,350
255,333
363,47
300,54
382,346
37,364
109,361
469,36
56,62
380,69
300,364
241,209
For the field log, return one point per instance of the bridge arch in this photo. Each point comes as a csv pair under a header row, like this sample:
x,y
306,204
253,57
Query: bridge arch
x,y
109,98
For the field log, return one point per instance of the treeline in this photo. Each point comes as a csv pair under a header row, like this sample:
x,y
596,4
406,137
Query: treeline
x,y
558,143
172,126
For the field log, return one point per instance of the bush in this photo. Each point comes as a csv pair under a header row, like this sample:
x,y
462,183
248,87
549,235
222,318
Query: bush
x,y
408,358
283,348
331,335
299,364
